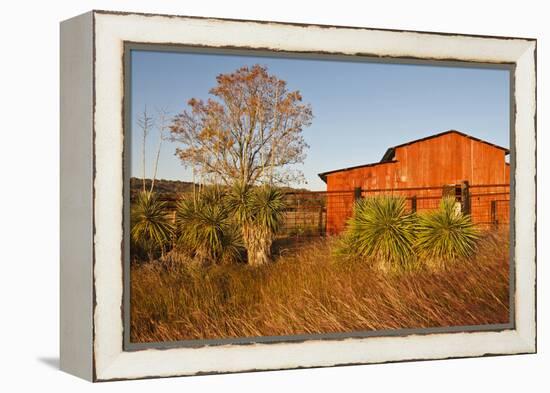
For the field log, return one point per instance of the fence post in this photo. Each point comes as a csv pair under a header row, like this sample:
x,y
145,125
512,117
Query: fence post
x,y
296,209
356,193
413,204
494,213
465,198
321,226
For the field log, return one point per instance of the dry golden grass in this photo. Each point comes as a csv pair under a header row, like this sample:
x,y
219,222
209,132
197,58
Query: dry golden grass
x,y
312,292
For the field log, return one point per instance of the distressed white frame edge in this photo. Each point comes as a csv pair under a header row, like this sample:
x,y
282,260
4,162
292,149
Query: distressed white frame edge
x,y
111,30
76,193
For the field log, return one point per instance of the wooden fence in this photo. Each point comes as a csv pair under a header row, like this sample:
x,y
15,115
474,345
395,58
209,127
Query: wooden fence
x,y
320,213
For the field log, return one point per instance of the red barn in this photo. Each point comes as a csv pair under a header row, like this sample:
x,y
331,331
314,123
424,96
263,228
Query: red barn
x,y
422,171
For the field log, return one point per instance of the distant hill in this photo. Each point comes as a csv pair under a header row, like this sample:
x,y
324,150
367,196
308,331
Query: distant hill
x,y
171,188
168,188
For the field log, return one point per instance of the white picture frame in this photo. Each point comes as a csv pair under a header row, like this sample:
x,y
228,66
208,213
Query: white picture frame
x,y
92,195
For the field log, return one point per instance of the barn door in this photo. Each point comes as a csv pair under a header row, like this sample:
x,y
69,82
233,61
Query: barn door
x,y
449,190
461,195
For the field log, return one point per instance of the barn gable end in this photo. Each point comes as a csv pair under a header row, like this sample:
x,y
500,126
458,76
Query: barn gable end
x,y
445,158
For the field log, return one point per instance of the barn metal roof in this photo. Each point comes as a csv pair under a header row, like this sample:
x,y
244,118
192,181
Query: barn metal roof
x,y
390,152
323,175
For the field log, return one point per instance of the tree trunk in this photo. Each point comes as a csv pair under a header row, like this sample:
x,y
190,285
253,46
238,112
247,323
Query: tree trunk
x,y
258,243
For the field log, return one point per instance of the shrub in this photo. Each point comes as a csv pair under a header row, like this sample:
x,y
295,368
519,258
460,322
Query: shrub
x,y
259,212
267,208
205,229
381,228
150,226
446,233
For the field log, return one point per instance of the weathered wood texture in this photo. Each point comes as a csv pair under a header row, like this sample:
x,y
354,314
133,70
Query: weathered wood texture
x,y
444,159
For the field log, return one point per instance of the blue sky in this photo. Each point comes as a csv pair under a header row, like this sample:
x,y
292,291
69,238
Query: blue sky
x,y
360,108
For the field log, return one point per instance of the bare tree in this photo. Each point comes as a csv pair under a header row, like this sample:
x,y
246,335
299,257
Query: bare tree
x,y
249,133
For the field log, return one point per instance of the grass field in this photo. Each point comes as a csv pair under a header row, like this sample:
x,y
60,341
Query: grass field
x,y
310,291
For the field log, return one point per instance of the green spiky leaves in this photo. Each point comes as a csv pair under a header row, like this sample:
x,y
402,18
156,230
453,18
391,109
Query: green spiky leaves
x,y
382,228
446,233
205,227
259,212
150,226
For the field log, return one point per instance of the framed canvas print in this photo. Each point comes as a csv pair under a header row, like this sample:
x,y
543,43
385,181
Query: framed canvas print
x,y
245,195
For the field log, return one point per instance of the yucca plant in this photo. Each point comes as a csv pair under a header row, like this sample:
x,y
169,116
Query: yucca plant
x,y
205,228
150,227
446,234
381,228
259,212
